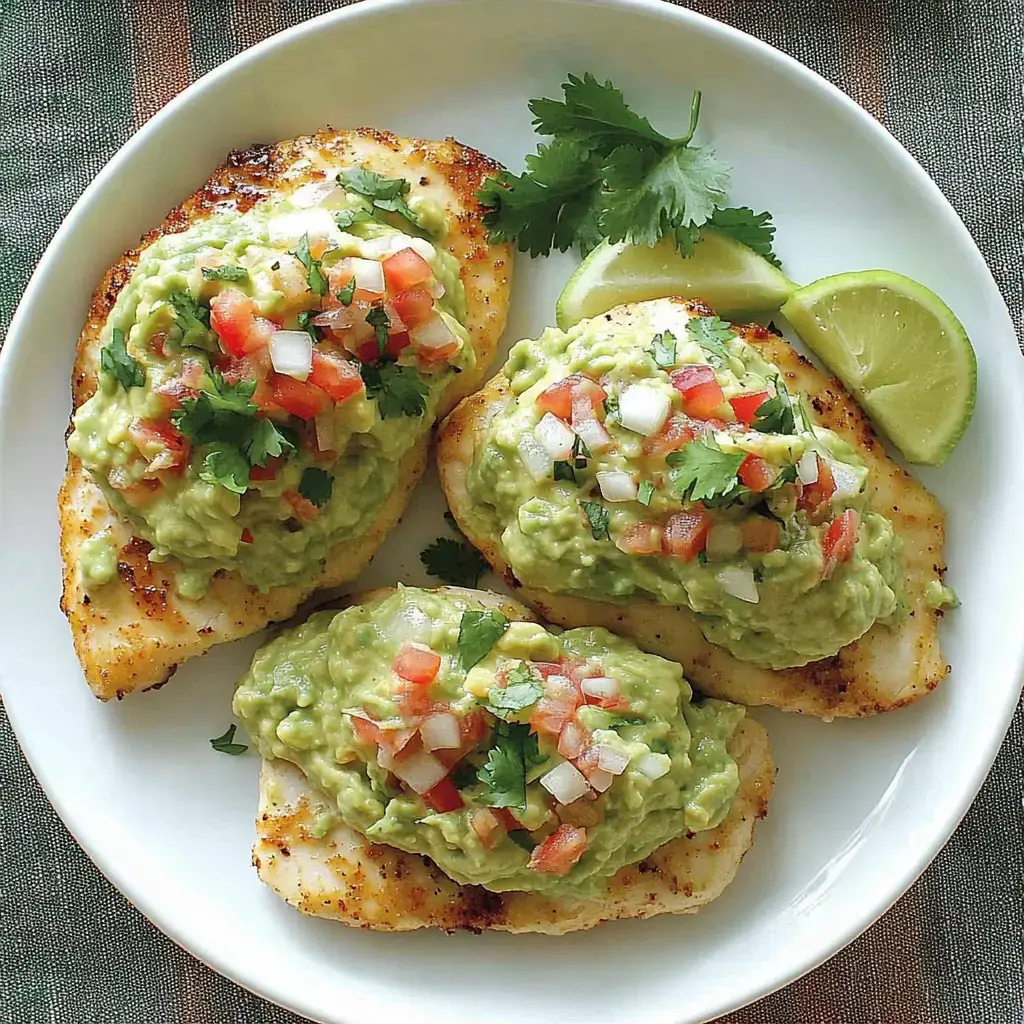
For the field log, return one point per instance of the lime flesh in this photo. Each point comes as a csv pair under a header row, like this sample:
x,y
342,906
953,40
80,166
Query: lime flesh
x,y
899,350
732,279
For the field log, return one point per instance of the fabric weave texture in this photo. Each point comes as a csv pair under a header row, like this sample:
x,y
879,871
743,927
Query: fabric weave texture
x,y
77,77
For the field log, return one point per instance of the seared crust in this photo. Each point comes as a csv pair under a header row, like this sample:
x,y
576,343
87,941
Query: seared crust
x,y
886,669
134,631
344,877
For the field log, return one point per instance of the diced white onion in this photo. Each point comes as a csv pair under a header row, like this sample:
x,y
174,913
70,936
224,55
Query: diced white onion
x,y
559,687
325,431
441,732
555,436
738,581
611,759
420,771
535,457
369,274
724,540
313,193
338,319
807,467
592,433
385,758
600,779
381,246
565,783
617,485
654,766
600,687
420,246
571,740
846,479
290,227
291,353
435,288
408,625
644,408
435,333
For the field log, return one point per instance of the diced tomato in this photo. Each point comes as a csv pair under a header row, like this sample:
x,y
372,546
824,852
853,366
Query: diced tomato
x,y
549,668
338,378
405,269
557,854
234,317
443,797
157,343
756,473
413,306
366,732
298,397
486,824
302,507
588,388
550,716
760,533
269,471
745,406
815,497
507,818
573,739
676,434
416,663
557,399
246,537
473,728
398,343
160,443
702,395
839,541
640,539
686,533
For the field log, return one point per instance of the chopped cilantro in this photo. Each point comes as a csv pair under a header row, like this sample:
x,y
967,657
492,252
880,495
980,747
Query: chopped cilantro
x,y
522,689
227,273
478,633
615,720
346,218
276,265
304,325
227,466
315,278
503,774
711,333
399,390
345,293
379,320
645,492
564,471
664,351
116,363
702,558
775,415
455,561
387,193
193,321
267,441
224,745
316,485
701,470
580,453
598,517
754,230
522,838
611,407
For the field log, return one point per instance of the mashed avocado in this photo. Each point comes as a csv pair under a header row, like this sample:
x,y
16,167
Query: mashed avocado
x,y
267,473
694,478
330,697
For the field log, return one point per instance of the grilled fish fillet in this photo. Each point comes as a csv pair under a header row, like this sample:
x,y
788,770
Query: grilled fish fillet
x,y
133,632
345,877
886,668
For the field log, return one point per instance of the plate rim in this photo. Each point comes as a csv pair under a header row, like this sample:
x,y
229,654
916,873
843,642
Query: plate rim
x,y
907,167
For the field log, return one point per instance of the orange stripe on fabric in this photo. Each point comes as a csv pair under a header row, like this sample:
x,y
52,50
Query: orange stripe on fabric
x,y
158,34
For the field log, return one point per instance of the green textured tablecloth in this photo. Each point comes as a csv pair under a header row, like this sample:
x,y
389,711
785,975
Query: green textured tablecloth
x,y
77,77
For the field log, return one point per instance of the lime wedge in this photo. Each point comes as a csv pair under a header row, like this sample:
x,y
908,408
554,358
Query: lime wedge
x,y
732,279
899,350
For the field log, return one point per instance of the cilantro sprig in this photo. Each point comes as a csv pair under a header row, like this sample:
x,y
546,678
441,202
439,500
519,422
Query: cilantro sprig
x,y
455,561
609,173
775,415
316,280
192,318
117,363
664,350
522,689
701,471
399,390
478,633
503,774
386,194
711,333
598,517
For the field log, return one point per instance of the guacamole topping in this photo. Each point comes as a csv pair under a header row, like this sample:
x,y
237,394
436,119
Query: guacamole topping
x,y
513,757
657,456
263,374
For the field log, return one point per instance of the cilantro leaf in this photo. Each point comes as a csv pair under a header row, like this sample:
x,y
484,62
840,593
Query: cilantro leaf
x,y
478,633
315,278
611,407
345,293
711,334
379,320
503,774
116,363
369,183
193,320
615,719
346,218
522,689
701,470
316,485
564,471
304,325
775,415
664,351
598,517
452,523
754,230
399,390
396,205
227,466
645,492
580,453
224,745
267,441
227,273
454,561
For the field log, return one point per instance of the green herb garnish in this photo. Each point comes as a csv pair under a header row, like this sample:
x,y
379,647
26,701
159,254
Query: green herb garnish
x,y
598,517
386,193
775,415
316,485
117,363
478,633
522,689
664,351
711,333
315,278
224,745
399,390
227,273
701,470
503,774
455,561
645,492
379,320
347,290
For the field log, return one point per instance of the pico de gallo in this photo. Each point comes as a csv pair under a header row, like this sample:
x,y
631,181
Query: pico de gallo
x,y
514,758
262,375
653,454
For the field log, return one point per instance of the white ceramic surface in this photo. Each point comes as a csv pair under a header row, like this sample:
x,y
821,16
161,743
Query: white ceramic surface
x,y
860,807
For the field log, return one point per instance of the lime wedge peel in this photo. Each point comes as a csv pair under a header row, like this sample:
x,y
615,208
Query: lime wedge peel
x,y
731,278
899,349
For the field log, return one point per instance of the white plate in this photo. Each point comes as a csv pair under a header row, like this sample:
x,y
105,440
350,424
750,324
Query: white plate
x,y
860,807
